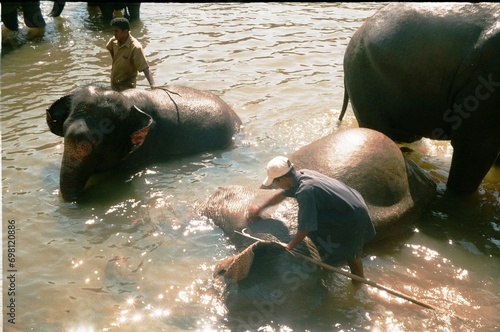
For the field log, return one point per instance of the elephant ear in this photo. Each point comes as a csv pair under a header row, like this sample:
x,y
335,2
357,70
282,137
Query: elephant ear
x,y
141,123
238,266
57,114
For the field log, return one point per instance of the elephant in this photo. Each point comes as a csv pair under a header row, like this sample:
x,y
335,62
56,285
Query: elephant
x,y
263,283
32,13
131,9
395,189
416,70
105,129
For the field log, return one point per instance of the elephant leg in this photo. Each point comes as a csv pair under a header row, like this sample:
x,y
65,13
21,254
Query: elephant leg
x,y
107,11
471,162
9,15
57,8
33,17
133,9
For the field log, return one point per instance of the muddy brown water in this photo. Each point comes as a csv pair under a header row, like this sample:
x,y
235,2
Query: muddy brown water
x,y
134,256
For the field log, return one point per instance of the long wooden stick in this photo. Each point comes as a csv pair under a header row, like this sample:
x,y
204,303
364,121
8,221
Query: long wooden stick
x,y
355,277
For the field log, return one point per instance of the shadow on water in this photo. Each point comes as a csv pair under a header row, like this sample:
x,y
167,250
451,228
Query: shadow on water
x,y
468,221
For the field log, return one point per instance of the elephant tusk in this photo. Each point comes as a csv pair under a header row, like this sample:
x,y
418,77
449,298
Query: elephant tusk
x,y
355,277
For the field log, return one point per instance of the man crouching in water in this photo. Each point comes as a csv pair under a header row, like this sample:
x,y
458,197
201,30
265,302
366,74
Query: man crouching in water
x,y
333,215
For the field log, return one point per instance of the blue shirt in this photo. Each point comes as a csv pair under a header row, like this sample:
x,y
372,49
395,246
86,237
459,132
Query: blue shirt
x,y
323,199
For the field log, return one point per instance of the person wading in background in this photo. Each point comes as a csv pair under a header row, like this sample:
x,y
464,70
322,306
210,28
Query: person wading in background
x,y
128,57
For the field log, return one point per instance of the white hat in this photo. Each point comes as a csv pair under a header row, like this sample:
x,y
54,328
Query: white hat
x,y
278,166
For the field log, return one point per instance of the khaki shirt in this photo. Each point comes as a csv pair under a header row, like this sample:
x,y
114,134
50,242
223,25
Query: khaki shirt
x,y
128,60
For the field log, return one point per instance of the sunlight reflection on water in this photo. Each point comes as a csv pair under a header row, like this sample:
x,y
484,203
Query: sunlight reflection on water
x,y
134,256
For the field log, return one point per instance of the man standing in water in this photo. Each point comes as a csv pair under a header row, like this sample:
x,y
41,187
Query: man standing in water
x,y
333,215
128,57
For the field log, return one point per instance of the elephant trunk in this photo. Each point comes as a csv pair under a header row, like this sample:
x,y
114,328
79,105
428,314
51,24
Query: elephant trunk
x,y
73,177
71,184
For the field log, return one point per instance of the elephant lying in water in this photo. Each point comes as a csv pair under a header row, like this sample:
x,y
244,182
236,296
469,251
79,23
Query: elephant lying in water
x,y
395,189
431,70
104,129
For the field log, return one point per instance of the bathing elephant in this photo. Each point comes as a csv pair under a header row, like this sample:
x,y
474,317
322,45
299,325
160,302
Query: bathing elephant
x,y
431,70
32,14
395,189
263,283
131,9
104,129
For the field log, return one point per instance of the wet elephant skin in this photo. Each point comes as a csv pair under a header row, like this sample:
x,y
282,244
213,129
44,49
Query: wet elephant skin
x,y
431,70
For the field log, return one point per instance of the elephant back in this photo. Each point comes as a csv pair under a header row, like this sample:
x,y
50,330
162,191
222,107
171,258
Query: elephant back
x,y
200,104
188,120
346,155
395,189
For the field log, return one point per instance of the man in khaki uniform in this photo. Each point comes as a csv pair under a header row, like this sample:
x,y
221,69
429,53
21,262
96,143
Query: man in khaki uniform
x,y
128,57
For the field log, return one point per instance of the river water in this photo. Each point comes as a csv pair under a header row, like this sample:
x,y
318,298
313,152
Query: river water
x,y
135,256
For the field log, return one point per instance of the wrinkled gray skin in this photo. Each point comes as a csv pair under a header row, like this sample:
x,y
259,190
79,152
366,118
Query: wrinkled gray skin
x,y
227,207
431,70
104,129
395,189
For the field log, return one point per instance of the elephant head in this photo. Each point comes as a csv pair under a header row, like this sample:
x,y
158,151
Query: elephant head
x,y
100,129
266,283
263,282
